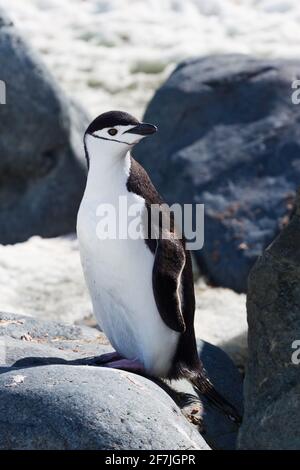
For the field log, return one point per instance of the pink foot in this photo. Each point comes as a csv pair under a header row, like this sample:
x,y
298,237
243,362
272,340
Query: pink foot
x,y
131,365
107,358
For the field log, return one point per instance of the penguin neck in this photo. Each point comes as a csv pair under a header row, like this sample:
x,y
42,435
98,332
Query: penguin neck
x,y
108,164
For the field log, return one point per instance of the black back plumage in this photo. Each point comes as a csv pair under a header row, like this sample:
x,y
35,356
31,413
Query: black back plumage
x,y
173,262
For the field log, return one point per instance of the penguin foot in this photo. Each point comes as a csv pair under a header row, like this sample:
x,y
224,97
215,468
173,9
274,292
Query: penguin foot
x,y
130,365
105,358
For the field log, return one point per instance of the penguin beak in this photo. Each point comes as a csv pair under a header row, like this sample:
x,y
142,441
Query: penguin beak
x,y
142,129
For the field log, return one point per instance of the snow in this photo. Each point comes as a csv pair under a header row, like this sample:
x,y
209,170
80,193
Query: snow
x,y
113,54
221,319
43,278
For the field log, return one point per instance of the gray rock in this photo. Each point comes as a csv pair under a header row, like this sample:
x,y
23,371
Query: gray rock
x,y
63,407
26,337
49,400
27,344
42,167
272,385
229,138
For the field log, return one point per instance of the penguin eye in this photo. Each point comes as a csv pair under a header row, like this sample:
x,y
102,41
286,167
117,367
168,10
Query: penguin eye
x,y
112,131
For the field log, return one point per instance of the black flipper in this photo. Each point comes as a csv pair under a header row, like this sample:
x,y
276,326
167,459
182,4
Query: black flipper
x,y
166,279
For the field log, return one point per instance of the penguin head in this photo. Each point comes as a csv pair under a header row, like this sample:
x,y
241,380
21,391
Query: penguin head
x,y
115,132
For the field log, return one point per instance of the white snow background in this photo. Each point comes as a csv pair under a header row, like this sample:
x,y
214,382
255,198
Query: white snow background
x,y
113,54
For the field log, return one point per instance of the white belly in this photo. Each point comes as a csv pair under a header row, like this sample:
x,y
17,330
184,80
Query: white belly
x,y
119,278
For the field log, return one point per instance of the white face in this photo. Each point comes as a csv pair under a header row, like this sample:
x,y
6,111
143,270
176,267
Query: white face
x,y
119,135
115,141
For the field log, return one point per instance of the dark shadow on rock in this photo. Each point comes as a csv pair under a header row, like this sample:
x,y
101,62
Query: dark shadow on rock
x,y
42,361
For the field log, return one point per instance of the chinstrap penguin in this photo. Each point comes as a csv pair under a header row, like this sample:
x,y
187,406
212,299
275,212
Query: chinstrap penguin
x,y
141,289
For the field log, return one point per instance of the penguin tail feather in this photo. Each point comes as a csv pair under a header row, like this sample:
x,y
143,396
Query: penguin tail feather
x,y
203,387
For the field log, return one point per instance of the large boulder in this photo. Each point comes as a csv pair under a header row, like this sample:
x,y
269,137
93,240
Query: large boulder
x,y
42,168
62,407
50,398
272,385
50,385
228,138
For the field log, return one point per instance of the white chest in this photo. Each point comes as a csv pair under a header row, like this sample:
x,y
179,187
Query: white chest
x,y
118,273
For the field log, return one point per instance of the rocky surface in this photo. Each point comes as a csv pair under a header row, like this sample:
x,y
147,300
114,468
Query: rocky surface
x,y
53,397
43,278
42,168
229,138
62,407
272,386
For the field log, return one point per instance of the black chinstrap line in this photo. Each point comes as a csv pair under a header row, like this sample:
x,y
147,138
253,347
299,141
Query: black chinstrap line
x,y
111,140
